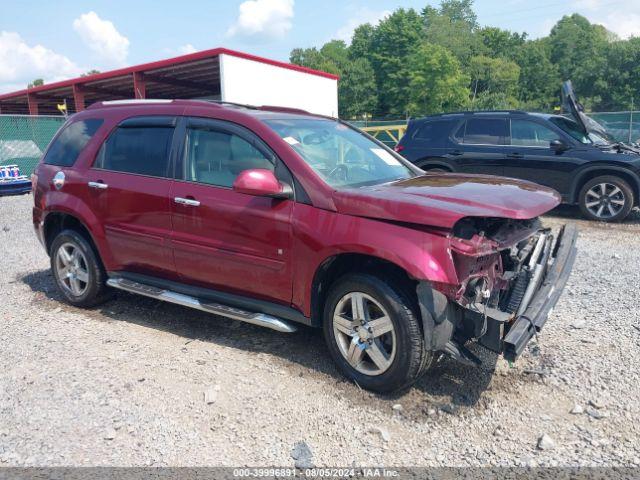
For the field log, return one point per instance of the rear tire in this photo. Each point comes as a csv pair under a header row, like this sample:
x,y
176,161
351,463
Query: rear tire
x,y
373,332
78,272
606,199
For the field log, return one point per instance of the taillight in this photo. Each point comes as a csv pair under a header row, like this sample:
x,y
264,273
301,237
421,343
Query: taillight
x,y
34,182
398,148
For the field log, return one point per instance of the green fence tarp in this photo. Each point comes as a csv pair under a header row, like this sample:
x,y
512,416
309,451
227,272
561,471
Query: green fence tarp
x,y
24,138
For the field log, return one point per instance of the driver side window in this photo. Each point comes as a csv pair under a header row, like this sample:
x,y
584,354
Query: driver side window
x,y
531,134
217,157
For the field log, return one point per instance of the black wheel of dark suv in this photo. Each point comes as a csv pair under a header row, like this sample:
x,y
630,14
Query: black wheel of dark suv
x,y
373,333
77,270
606,198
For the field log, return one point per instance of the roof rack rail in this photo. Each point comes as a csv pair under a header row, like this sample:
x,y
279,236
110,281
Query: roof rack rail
x,y
474,112
233,104
275,108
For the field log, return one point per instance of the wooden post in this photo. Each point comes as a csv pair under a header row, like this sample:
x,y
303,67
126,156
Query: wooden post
x,y
139,85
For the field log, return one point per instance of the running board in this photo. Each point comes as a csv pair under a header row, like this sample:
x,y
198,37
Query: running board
x,y
260,319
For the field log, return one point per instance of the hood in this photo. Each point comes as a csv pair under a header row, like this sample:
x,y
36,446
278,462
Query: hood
x,y
571,106
441,199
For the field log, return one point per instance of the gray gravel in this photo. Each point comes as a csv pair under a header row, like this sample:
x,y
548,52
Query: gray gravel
x,y
139,382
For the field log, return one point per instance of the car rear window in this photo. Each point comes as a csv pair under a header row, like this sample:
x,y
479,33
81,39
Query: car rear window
x,y
143,150
433,132
484,131
66,147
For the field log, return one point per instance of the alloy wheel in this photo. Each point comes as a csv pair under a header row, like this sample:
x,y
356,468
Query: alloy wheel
x,y
605,200
71,269
364,333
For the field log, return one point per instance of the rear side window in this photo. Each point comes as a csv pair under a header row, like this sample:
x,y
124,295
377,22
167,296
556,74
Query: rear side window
x,y
434,133
137,149
485,131
65,149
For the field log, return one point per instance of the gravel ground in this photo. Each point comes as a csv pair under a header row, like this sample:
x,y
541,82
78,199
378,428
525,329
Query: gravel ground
x,y
125,384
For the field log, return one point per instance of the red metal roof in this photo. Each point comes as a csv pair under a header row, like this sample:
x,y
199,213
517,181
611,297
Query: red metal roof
x,y
186,76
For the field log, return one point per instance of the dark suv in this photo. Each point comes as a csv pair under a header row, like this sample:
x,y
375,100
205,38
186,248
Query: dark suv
x,y
570,155
278,217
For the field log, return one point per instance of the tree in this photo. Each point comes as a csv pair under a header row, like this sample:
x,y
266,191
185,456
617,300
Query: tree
x,y
578,49
393,41
357,93
539,83
36,83
90,72
437,83
453,26
493,78
501,43
361,42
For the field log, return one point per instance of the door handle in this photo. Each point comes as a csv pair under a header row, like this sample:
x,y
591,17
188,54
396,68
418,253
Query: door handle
x,y
186,201
456,152
98,185
515,155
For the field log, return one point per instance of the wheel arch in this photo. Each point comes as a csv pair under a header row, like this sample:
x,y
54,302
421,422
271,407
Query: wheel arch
x,y
338,265
596,171
57,221
433,162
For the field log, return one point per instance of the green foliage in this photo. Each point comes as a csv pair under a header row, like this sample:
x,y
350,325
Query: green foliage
x,y
36,83
393,41
440,59
436,81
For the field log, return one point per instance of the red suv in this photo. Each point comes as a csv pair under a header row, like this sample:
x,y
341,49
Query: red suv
x,y
275,217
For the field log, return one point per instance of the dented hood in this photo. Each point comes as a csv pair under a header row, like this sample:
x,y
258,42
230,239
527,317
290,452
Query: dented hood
x,y
441,199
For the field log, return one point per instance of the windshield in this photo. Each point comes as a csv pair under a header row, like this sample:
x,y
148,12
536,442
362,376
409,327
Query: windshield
x,y
341,155
572,128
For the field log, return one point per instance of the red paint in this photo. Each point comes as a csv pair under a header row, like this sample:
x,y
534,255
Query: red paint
x,y
145,67
257,182
32,101
139,85
78,97
272,248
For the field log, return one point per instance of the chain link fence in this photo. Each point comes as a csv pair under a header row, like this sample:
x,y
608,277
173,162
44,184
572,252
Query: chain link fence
x,y
623,126
24,138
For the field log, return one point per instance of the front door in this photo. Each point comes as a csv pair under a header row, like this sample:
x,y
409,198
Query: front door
x,y
128,189
530,156
223,239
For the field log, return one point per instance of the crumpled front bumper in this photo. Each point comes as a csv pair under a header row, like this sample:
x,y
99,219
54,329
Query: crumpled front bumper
x,y
531,321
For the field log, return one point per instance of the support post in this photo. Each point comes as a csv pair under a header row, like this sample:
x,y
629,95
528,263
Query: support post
x,y
32,101
78,97
139,85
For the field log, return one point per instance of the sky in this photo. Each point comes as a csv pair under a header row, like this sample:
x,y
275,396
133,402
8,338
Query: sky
x,y
61,39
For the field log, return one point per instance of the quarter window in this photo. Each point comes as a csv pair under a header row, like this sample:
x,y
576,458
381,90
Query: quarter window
x,y
433,132
66,148
217,157
137,149
531,134
486,131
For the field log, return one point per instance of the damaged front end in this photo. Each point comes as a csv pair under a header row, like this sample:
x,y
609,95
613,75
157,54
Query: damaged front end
x,y
511,274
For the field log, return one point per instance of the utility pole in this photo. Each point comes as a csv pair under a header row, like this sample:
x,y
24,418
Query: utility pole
x,y
631,120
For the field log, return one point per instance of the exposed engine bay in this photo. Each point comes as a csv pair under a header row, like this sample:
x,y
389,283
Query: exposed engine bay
x,y
503,265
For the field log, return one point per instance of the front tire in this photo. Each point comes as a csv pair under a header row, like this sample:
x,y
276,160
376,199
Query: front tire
x,y
77,270
606,199
373,333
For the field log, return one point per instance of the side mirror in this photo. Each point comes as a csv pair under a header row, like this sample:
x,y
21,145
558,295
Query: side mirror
x,y
261,183
558,145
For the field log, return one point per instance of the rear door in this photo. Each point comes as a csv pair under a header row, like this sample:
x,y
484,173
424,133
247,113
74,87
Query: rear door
x,y
480,145
530,156
427,144
223,239
128,189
